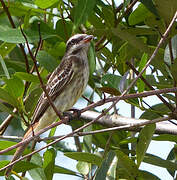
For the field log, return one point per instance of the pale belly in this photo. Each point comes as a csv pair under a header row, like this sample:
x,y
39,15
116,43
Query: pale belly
x,y
64,101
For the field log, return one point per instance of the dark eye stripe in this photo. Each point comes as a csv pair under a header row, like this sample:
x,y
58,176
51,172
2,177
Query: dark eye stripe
x,y
74,41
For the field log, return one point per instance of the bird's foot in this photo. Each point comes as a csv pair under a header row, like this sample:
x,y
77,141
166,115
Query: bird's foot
x,y
76,112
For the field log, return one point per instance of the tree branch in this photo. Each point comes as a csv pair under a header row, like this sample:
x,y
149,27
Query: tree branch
x,y
119,122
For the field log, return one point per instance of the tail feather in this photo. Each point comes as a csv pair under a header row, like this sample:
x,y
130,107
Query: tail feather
x,y
20,149
16,156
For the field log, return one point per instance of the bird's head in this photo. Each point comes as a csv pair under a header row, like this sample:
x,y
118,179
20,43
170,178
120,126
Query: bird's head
x,y
77,43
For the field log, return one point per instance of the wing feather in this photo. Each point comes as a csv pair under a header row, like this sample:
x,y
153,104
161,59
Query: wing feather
x,y
55,85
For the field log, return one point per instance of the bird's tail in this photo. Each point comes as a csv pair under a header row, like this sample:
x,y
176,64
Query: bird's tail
x,y
20,149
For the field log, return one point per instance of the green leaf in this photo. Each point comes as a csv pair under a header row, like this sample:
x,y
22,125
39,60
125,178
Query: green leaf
x,y
138,15
112,172
22,7
167,57
11,178
155,111
111,80
4,108
15,87
150,6
5,145
166,9
32,99
108,16
157,161
102,171
144,140
45,4
86,157
10,35
37,173
57,50
5,96
21,166
64,29
82,10
4,67
173,158
27,77
165,137
46,60
6,48
62,170
83,167
140,83
92,59
148,176
128,164
3,164
49,163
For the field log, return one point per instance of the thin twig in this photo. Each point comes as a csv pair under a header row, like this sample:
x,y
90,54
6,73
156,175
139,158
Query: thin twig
x,y
130,126
100,41
150,87
11,137
98,49
99,103
129,96
126,12
6,122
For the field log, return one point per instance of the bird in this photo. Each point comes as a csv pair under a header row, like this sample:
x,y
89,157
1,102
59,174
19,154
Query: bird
x,y
64,87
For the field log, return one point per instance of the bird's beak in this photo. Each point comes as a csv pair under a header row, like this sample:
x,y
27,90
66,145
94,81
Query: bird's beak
x,y
88,38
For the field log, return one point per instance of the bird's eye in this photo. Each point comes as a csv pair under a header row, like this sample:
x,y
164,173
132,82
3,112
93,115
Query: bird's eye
x,y
73,41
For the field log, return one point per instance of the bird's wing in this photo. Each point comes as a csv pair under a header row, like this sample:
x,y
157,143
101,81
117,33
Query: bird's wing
x,y
55,85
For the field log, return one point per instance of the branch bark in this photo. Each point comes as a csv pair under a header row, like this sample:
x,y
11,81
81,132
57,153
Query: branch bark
x,y
117,121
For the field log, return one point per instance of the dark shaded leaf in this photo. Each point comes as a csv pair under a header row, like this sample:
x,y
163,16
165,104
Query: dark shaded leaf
x,y
15,87
82,10
143,142
62,170
157,161
10,35
165,137
138,15
111,80
173,158
86,157
21,166
5,96
49,163
92,59
155,111
37,173
129,166
166,9
46,60
150,6
27,77
6,48
148,176
105,165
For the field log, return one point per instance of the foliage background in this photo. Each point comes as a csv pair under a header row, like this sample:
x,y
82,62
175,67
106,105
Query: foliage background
x,y
124,32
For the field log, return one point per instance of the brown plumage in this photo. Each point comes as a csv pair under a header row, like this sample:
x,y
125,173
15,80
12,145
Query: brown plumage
x,y
65,85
